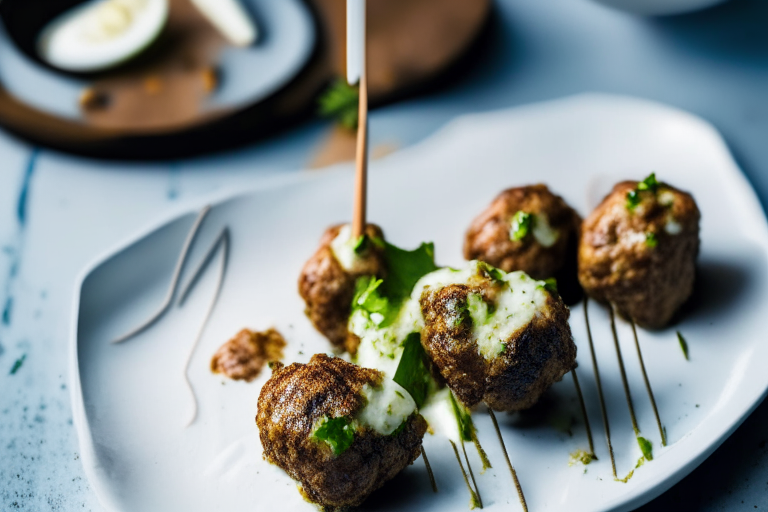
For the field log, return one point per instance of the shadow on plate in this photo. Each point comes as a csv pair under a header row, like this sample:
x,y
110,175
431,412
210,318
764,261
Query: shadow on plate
x,y
720,288
407,487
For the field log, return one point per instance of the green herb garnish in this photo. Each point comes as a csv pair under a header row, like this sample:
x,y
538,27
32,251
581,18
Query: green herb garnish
x,y
550,284
467,430
338,433
493,272
633,199
464,419
649,184
413,370
367,296
646,447
17,364
399,429
522,223
405,268
683,345
651,240
361,244
340,101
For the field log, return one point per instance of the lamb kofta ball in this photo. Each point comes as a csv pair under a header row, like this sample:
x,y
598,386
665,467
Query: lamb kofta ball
x,y
338,429
327,281
525,228
638,250
496,337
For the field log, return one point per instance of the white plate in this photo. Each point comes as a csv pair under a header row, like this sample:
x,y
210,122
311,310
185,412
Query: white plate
x,y
130,403
660,7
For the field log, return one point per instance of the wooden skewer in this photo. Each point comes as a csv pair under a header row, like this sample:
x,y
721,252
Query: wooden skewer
x,y
648,387
361,171
509,462
473,498
472,475
603,409
584,414
429,470
623,372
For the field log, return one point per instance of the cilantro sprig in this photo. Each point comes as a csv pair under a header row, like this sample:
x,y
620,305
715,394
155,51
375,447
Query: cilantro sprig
x,y
340,102
649,184
522,224
413,370
404,269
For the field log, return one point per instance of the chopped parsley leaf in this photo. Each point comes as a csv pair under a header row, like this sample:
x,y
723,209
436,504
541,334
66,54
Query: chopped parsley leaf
x,y
493,272
633,199
522,223
550,284
650,184
341,102
413,370
646,447
651,240
338,433
361,244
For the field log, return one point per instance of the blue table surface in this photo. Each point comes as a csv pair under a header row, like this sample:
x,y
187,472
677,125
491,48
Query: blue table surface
x,y
58,212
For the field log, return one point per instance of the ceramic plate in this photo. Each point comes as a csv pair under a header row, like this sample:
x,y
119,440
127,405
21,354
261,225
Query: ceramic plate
x,y
286,42
130,401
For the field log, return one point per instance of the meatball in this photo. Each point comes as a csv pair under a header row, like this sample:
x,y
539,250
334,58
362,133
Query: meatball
x,y
638,251
295,404
525,228
327,281
497,338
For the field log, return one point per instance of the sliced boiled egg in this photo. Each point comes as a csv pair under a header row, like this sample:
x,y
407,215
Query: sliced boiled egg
x,y
100,34
231,19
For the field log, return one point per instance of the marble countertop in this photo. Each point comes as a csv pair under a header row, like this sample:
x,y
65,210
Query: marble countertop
x,y
59,212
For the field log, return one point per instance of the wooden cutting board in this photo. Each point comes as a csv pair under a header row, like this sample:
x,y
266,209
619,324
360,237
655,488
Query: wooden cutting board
x,y
412,44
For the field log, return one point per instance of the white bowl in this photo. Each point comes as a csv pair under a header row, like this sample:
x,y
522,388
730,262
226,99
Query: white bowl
x,y
660,7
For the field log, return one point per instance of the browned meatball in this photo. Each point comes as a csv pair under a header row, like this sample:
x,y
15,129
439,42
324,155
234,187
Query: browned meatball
x,y
327,288
300,397
497,338
542,244
638,251
244,356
